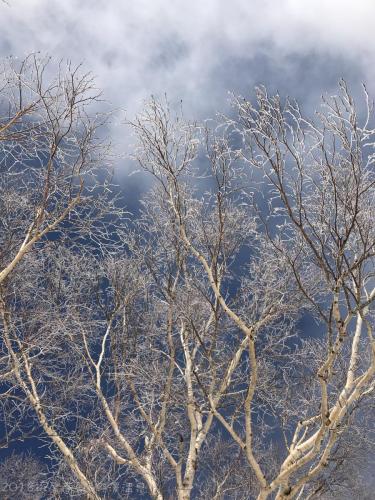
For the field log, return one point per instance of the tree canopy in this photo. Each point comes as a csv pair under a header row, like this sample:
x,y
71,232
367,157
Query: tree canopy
x,y
219,344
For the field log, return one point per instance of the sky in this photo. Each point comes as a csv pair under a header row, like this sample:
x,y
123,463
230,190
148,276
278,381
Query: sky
x,y
199,50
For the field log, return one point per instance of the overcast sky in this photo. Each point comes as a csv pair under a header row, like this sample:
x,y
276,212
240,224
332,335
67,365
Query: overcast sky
x,y
198,50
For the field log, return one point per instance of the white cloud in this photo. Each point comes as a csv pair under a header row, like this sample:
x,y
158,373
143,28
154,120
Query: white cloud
x,y
198,50
144,46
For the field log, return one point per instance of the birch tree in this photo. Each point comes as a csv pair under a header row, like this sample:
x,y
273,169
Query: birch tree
x,y
312,251
50,160
219,344
320,176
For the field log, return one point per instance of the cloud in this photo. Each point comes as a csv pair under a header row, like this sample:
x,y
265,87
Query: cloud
x,y
198,50
152,46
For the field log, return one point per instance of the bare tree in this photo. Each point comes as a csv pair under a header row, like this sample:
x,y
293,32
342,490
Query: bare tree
x,y
321,181
313,251
50,161
173,353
